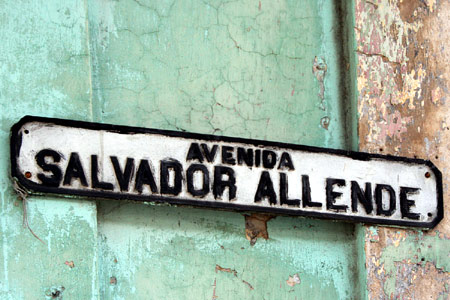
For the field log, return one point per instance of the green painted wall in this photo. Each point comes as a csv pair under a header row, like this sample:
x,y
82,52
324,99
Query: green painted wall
x,y
172,253
44,70
272,70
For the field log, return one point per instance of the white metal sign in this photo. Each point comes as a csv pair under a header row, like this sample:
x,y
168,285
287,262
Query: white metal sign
x,y
98,160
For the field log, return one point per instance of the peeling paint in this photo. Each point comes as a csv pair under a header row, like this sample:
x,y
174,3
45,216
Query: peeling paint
x,y
293,280
325,122
319,70
227,270
70,264
234,273
54,292
113,280
410,279
403,78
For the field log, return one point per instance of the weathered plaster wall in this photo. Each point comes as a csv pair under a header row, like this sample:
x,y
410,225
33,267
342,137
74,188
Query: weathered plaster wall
x,y
258,69
44,70
403,83
154,252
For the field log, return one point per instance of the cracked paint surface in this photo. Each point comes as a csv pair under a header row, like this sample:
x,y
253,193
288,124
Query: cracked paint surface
x,y
403,79
236,68
256,69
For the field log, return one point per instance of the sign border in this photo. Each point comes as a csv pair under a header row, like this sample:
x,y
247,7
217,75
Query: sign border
x,y
16,141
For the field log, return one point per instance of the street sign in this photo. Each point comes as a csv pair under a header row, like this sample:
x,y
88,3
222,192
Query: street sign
x,y
108,161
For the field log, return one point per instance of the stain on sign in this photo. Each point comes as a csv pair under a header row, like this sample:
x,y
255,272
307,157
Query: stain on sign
x,y
108,161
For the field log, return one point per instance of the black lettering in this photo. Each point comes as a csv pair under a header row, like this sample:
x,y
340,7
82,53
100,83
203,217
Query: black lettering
x,y
286,162
269,159
55,178
123,178
332,195
365,198
175,166
284,191
379,199
220,184
257,158
194,153
190,180
210,155
306,193
405,203
74,170
96,183
227,155
265,189
144,175
245,156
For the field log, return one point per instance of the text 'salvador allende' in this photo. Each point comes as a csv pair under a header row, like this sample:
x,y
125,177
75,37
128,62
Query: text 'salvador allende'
x,y
136,175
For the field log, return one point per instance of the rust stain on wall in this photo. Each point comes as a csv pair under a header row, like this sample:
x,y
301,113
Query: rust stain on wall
x,y
227,270
235,274
403,84
256,227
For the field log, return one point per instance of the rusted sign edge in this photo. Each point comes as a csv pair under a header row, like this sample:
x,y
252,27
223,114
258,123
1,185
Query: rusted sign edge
x,y
16,139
